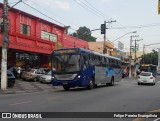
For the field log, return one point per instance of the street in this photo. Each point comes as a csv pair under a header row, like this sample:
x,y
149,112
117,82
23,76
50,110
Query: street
x,y
124,96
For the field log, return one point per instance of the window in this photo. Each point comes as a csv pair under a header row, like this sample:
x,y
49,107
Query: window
x,y
25,29
48,36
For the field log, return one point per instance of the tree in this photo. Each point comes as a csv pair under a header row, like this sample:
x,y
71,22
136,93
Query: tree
x,y
150,58
85,34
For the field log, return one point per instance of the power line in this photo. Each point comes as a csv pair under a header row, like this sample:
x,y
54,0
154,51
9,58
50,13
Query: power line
x,y
52,13
95,8
100,13
92,9
140,26
88,9
43,13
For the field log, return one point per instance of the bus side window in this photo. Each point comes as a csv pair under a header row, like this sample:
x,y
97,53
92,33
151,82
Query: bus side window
x,y
111,63
107,62
90,59
116,63
94,60
100,61
85,60
103,61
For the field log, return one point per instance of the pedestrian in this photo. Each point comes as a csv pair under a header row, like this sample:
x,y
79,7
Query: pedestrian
x,y
19,72
14,70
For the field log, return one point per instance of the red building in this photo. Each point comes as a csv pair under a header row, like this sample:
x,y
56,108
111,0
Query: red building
x,y
70,41
32,39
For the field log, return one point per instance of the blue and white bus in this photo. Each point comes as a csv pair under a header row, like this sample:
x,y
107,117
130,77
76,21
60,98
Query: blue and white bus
x,y
77,67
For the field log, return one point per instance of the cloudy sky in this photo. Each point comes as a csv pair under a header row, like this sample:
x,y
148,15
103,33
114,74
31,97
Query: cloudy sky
x,y
130,15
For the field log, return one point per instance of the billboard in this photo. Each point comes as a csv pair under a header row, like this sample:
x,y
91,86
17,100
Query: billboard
x,y
120,45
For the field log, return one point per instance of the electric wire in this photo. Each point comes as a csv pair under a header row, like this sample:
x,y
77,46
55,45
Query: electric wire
x,y
37,4
88,9
47,16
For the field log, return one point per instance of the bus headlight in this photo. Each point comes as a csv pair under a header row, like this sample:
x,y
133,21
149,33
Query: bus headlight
x,y
53,77
79,77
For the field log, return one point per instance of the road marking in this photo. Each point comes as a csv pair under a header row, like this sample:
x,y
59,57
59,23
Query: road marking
x,y
19,103
142,119
156,119
49,98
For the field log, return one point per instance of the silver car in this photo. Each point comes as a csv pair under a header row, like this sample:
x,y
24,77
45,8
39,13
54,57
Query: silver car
x,y
46,78
32,74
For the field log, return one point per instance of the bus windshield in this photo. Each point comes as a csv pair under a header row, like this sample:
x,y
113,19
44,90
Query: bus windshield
x,y
66,63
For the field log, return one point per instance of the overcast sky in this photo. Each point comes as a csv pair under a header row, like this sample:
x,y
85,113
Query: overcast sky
x,y
130,15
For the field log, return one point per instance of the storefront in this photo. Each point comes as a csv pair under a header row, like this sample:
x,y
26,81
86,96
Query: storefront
x,y
25,59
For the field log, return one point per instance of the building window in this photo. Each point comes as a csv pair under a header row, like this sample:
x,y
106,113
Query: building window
x,y
48,36
25,29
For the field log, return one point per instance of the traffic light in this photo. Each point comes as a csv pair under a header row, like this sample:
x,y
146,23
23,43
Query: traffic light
x,y
103,28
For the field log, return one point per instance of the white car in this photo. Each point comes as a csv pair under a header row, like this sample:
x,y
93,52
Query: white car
x,y
146,78
46,78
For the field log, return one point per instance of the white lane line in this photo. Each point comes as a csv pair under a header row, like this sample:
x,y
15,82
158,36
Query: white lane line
x,y
158,119
49,98
19,103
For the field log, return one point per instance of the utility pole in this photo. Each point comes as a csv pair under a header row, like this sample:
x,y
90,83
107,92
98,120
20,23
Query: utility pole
x,y
143,53
130,58
104,42
4,46
136,48
135,74
103,31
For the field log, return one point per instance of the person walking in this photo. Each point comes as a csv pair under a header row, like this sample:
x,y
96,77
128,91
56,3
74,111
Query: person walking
x,y
19,72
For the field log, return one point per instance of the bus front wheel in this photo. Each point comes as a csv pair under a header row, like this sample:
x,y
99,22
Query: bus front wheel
x,y
66,87
91,84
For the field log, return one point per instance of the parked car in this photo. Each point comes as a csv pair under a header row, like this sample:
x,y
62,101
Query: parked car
x,y
11,79
146,78
32,74
46,78
158,72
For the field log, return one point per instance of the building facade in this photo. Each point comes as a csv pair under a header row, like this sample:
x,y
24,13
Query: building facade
x,y
32,39
99,46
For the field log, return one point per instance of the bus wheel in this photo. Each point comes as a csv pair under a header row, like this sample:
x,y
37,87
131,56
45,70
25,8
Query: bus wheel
x,y
91,84
112,82
66,87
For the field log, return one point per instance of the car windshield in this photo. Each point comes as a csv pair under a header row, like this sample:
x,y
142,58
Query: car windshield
x,y
31,70
66,63
48,72
145,74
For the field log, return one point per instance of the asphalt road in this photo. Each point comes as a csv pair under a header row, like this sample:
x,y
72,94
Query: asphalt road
x,y
124,96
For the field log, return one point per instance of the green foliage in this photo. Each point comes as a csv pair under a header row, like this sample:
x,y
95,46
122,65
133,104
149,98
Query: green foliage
x,y
85,34
150,58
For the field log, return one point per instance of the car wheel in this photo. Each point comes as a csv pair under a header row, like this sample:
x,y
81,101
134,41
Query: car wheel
x,y
66,87
91,84
139,83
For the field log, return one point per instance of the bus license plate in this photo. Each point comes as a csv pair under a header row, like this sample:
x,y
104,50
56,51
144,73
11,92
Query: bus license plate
x,y
65,83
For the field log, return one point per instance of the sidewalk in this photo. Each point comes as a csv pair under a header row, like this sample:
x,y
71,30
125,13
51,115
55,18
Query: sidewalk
x,y
27,87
